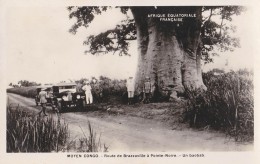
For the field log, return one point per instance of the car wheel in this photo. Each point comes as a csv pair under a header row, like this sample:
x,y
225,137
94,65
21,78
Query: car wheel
x,y
79,104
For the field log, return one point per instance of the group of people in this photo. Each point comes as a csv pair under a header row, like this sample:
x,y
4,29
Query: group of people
x,y
44,95
147,90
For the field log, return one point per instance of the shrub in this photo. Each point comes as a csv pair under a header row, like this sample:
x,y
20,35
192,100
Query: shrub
x,y
227,104
104,89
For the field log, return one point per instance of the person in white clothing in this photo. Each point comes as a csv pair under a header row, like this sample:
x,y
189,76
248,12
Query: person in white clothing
x,y
130,89
87,89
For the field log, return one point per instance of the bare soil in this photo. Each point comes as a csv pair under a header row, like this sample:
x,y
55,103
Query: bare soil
x,y
170,114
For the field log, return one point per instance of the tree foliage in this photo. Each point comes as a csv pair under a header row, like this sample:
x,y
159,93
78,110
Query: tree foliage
x,y
113,40
216,29
26,83
218,35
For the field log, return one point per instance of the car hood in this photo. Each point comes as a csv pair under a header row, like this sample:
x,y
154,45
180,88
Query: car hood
x,y
67,90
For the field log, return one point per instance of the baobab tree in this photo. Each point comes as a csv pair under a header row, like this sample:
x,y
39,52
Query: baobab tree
x,y
169,52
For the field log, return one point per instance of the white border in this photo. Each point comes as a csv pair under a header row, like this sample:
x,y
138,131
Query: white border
x,y
211,157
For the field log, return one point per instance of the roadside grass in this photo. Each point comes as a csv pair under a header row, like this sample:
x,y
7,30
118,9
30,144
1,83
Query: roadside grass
x,y
27,132
91,143
24,91
227,105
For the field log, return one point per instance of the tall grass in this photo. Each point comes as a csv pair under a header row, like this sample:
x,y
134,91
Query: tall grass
x,y
228,104
26,133
90,142
24,91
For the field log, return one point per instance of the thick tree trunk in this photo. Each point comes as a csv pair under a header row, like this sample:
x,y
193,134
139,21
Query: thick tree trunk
x,y
199,70
167,53
142,43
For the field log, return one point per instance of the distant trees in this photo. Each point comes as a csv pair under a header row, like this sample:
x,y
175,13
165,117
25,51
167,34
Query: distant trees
x,y
24,83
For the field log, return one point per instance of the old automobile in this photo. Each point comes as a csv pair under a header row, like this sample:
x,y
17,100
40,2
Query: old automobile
x,y
65,96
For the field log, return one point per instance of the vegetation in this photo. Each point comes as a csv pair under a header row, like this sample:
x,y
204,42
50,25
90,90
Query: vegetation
x,y
170,52
102,89
24,83
90,143
228,104
34,134
105,89
212,31
24,91
27,133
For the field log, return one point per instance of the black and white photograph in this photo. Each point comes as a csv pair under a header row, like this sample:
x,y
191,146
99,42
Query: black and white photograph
x,y
86,82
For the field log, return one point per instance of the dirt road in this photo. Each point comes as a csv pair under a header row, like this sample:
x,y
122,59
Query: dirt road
x,y
133,134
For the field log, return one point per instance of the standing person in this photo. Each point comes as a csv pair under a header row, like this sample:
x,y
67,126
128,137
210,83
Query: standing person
x,y
43,101
147,90
130,90
79,87
87,88
96,90
48,95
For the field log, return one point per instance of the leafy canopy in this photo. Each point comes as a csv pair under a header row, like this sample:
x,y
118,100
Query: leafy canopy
x,y
216,30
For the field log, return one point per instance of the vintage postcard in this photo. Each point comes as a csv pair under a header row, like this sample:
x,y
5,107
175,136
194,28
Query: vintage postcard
x,y
129,82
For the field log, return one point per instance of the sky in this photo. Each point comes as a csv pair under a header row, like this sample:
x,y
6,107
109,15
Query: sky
x,y
39,47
